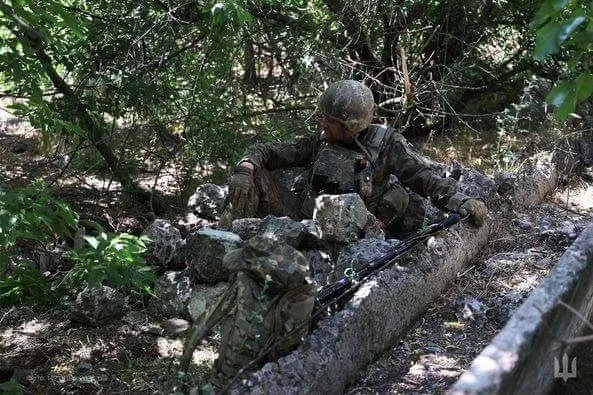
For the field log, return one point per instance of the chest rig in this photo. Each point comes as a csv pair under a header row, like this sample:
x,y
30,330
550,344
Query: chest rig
x,y
339,169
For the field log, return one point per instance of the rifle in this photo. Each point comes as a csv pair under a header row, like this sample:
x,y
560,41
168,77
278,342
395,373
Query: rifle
x,y
336,290
333,292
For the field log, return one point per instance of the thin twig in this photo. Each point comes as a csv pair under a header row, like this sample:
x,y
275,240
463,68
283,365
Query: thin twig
x,y
465,272
577,313
5,314
579,339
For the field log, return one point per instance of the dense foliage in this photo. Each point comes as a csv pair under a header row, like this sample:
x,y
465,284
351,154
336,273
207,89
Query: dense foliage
x,y
38,231
195,81
119,88
565,29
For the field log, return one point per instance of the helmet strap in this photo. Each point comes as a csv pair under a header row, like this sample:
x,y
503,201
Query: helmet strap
x,y
364,149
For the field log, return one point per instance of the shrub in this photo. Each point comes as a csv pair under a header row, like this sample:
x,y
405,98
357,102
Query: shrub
x,y
111,259
29,216
30,213
24,284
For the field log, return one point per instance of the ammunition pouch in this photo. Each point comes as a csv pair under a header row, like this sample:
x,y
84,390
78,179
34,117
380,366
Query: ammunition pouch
x,y
392,205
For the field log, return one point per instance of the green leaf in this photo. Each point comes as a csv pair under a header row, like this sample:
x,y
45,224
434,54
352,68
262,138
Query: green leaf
x,y
564,97
550,36
218,7
92,241
566,108
567,28
546,41
584,86
589,27
11,387
547,10
559,93
20,108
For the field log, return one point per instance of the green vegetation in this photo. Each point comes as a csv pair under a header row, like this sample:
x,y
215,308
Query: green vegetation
x,y
565,29
125,90
31,221
31,215
114,259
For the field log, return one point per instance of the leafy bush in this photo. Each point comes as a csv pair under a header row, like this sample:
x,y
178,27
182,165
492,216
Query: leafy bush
x,y
111,259
30,216
567,28
30,213
24,284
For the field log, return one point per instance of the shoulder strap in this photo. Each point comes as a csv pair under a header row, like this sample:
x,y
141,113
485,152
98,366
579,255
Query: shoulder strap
x,y
375,143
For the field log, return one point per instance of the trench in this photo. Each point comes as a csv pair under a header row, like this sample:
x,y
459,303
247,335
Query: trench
x,y
345,348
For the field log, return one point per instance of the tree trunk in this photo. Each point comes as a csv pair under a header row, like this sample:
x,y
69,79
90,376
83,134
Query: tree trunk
x,y
35,40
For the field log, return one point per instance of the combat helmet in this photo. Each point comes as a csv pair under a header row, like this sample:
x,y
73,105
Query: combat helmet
x,y
350,102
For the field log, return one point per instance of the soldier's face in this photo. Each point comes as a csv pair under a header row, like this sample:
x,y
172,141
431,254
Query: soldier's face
x,y
335,132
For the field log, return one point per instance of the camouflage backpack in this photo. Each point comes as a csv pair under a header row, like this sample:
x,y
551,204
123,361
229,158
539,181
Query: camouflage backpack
x,y
266,309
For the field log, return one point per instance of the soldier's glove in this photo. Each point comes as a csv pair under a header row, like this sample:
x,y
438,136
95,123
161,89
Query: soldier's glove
x,y
476,209
241,190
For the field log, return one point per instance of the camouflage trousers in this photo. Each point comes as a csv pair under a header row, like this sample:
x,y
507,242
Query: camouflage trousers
x,y
260,326
266,310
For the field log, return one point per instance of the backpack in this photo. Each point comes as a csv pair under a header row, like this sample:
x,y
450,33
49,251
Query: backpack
x,y
266,310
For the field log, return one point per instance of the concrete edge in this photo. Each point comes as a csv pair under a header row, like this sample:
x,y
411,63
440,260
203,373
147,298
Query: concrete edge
x,y
520,359
378,313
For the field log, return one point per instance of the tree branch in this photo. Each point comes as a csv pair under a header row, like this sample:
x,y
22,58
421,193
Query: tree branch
x,y
360,46
35,41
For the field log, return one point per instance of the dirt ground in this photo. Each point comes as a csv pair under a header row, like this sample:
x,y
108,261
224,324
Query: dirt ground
x,y
440,346
46,352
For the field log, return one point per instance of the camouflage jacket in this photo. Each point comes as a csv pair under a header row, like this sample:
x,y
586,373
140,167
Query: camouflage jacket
x,y
334,169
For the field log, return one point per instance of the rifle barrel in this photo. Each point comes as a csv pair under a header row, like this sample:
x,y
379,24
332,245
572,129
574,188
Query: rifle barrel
x,y
335,289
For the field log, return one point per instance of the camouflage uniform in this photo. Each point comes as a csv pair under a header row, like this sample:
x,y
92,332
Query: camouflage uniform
x,y
367,169
266,308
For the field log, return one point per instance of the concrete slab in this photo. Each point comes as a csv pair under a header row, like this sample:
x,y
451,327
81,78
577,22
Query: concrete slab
x,y
521,358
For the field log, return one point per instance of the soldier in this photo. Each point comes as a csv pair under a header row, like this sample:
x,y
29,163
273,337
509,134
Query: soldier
x,y
351,155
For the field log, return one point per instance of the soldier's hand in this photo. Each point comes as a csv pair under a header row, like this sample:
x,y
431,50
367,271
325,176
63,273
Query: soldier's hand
x,y
241,188
476,209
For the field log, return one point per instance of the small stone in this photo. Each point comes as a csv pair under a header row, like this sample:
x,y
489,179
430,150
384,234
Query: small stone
x,y
205,250
522,224
468,308
372,229
208,201
340,218
174,326
246,228
321,265
173,290
84,368
283,229
190,222
166,241
97,304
